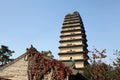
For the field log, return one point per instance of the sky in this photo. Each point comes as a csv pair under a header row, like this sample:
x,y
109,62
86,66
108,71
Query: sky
x,y
39,22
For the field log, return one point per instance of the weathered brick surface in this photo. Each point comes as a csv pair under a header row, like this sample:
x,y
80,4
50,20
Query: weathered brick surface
x,y
16,70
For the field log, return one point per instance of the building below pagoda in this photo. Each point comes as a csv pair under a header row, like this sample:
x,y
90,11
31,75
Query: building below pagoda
x,y
73,53
29,66
73,43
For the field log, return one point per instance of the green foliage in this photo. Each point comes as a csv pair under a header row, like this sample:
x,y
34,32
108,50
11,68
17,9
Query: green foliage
x,y
117,61
5,54
117,64
48,53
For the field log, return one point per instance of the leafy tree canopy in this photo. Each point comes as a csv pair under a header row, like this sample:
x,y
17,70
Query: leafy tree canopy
x,y
5,54
99,70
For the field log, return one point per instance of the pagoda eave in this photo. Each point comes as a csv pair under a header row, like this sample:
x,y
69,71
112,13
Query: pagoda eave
x,y
69,22
71,46
64,27
71,53
72,30
72,35
76,60
72,40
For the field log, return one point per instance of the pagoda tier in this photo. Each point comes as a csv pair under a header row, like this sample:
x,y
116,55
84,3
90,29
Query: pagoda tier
x,y
71,52
73,42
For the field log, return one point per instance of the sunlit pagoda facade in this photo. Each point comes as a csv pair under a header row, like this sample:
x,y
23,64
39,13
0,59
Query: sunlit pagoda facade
x,y
73,43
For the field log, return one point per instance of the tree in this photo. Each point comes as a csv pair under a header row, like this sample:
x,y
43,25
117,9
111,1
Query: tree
x,y
48,53
5,54
99,70
116,64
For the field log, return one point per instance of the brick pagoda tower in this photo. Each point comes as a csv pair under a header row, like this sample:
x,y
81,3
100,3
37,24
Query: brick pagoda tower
x,y
73,43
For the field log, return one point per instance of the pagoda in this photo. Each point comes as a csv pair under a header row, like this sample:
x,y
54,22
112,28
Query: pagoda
x,y
73,43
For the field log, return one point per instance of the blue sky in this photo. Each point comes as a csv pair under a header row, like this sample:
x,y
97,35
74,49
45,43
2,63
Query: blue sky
x,y
39,22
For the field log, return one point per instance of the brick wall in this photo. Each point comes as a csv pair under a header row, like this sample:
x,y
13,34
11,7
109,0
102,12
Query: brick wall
x,y
16,70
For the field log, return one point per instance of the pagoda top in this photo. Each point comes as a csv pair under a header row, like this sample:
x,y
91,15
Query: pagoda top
x,y
74,13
